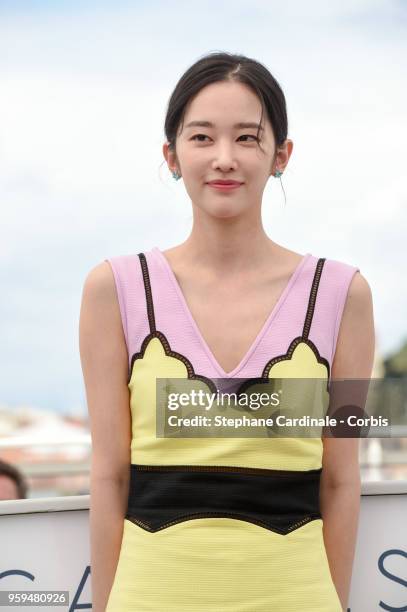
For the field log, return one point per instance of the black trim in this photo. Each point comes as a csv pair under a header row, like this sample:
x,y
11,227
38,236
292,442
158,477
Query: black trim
x,y
147,288
278,500
168,351
264,378
312,298
286,356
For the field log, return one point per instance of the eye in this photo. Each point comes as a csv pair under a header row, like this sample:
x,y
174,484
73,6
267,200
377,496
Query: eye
x,y
249,136
196,136
243,136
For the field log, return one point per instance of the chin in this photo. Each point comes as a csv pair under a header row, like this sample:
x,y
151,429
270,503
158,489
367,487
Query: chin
x,y
226,210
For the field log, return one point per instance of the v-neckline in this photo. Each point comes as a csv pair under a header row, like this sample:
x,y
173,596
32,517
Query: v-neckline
x,y
260,334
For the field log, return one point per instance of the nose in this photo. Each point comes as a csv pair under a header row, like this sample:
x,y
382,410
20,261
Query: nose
x,y
224,158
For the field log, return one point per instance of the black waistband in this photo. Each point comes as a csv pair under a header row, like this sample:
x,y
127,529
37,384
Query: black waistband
x,y
278,500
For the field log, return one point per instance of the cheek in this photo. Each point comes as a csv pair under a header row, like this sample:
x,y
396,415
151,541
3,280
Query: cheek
x,y
200,161
195,165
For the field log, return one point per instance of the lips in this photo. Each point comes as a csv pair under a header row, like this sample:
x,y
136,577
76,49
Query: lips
x,y
224,182
225,186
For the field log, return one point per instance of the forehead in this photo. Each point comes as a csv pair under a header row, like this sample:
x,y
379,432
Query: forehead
x,y
226,104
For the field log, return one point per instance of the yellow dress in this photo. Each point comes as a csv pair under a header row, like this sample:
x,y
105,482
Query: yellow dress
x,y
217,524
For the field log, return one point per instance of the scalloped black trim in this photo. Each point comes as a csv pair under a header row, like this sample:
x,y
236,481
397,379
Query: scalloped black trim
x,y
278,500
232,515
168,351
154,333
284,357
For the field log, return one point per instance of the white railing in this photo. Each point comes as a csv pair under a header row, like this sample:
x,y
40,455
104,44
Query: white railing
x,y
46,540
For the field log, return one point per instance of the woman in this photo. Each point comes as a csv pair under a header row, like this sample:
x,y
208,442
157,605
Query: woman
x,y
221,524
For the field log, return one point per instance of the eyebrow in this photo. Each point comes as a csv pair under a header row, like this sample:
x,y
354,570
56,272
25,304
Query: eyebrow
x,y
241,124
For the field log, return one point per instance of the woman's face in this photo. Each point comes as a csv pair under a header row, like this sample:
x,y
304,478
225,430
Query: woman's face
x,y
225,150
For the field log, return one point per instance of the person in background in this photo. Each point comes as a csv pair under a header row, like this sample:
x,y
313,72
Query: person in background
x,y
13,484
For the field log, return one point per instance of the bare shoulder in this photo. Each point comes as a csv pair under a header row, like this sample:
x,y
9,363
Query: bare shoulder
x,y
101,329
355,347
99,283
359,293
104,361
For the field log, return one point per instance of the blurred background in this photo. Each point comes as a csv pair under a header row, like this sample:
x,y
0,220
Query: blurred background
x,y
84,90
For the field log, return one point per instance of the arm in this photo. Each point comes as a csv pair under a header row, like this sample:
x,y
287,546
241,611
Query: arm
x,y
104,360
340,482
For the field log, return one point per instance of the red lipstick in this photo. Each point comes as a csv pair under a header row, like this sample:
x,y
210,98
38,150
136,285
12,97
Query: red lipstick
x,y
224,185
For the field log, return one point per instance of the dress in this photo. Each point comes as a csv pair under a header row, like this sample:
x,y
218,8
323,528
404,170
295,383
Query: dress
x,y
223,524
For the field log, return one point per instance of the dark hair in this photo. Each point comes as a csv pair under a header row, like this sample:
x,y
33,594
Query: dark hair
x,y
6,469
222,66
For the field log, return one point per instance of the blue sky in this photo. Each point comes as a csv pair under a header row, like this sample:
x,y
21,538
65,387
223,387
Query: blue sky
x,y
84,88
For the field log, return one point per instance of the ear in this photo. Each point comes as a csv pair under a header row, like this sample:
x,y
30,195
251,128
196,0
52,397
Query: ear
x,y
170,157
282,156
